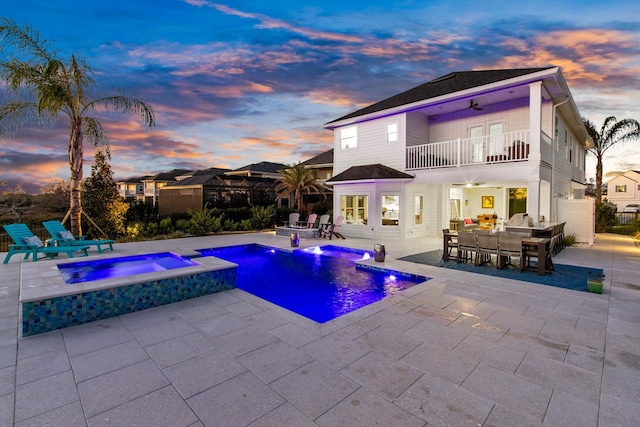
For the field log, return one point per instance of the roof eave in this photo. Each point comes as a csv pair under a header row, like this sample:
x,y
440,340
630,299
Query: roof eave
x,y
369,181
467,93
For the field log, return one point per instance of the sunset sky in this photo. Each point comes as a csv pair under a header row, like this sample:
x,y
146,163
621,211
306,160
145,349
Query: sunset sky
x,y
241,82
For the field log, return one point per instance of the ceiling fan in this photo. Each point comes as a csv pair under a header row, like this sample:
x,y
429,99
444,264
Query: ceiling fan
x,y
475,106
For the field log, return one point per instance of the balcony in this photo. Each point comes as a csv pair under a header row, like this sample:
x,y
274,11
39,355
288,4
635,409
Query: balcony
x,y
502,148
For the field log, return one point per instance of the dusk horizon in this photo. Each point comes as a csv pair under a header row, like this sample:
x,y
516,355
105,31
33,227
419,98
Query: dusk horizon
x,y
238,83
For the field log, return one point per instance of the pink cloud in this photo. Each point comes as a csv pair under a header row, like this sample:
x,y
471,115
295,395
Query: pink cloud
x,y
588,56
272,23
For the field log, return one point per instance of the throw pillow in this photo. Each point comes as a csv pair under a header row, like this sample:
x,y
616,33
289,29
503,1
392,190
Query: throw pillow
x,y
66,235
468,221
33,240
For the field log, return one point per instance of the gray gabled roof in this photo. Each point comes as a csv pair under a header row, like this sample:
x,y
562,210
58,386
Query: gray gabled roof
x,y
192,180
134,179
325,158
268,167
450,83
168,176
211,171
369,172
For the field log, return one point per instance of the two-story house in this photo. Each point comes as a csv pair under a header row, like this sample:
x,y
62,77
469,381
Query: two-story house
x,y
132,188
624,189
467,144
153,184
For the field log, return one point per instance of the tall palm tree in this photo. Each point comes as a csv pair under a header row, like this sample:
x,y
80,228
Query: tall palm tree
x,y
611,133
297,180
60,88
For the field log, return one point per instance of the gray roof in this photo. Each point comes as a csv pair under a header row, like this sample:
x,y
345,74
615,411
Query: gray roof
x,y
192,180
450,83
222,180
168,176
211,171
267,167
368,172
136,179
325,158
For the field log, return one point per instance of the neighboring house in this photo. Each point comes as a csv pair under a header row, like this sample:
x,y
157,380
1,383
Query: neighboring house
x,y
215,187
624,189
132,188
322,165
468,144
153,183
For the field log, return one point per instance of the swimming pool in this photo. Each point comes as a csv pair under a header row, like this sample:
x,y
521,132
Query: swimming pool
x,y
109,268
320,283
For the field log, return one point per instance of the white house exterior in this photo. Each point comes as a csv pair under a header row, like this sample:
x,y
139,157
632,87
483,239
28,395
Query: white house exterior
x,y
131,188
461,145
624,189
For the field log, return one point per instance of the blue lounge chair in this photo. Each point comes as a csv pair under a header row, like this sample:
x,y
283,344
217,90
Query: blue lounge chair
x,y
64,237
29,244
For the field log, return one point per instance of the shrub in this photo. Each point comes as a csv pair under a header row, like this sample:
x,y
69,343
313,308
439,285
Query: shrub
x,y
203,223
151,229
605,217
246,225
166,226
229,225
133,232
570,239
182,225
263,216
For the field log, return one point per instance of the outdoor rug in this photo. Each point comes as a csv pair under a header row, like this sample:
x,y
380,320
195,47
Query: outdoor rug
x,y
563,276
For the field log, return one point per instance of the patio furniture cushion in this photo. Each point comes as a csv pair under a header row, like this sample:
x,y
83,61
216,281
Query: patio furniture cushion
x,y
33,240
67,235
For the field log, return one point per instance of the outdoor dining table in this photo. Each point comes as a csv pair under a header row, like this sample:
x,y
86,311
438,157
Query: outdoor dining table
x,y
541,243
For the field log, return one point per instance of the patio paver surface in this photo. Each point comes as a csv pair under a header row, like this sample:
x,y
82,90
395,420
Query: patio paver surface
x,y
460,349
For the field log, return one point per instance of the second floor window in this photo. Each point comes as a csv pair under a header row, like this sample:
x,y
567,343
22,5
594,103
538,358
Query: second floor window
x,y
621,188
348,137
392,132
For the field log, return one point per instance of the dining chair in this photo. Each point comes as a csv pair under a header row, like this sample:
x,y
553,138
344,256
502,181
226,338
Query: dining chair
x,y
487,246
451,242
509,246
467,246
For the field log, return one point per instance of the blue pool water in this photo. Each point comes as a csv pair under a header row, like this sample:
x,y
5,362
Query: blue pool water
x,y
108,268
320,283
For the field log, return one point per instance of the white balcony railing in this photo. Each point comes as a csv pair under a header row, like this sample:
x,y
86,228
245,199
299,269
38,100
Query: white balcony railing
x,y
502,148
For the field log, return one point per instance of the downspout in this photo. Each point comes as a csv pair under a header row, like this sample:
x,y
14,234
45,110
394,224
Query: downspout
x,y
553,157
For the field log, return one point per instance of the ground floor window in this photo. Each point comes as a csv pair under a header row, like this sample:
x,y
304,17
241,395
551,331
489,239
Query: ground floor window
x,y
390,209
418,205
354,209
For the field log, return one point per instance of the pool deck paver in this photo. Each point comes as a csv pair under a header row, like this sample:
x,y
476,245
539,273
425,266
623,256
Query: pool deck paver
x,y
459,349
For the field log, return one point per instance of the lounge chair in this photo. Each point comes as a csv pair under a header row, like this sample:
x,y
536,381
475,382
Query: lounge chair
x,y
64,237
323,223
310,222
294,217
331,230
29,244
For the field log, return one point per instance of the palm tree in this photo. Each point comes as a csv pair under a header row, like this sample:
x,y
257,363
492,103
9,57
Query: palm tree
x,y
297,180
60,88
611,133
